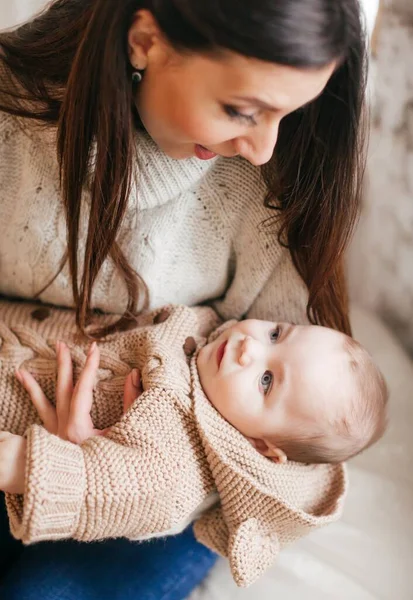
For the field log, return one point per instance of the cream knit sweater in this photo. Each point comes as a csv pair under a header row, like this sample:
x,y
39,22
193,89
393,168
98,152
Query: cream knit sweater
x,y
169,460
193,230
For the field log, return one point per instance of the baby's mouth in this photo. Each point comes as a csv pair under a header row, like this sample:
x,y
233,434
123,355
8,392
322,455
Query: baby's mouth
x,y
221,352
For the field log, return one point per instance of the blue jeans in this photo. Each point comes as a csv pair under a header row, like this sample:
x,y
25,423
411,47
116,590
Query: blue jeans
x,y
162,569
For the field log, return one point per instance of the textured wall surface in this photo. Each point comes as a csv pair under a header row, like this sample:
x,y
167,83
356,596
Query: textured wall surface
x,y
381,261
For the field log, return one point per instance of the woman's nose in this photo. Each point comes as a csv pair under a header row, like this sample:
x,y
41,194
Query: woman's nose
x,y
248,351
258,146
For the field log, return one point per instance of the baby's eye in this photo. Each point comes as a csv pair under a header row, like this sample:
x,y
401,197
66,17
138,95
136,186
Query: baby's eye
x,y
275,334
266,381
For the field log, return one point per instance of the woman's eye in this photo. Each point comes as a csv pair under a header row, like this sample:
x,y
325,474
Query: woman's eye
x,y
266,381
233,113
275,334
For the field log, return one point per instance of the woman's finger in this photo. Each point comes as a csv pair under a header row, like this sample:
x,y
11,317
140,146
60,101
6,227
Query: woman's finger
x,y
45,409
64,386
82,398
132,389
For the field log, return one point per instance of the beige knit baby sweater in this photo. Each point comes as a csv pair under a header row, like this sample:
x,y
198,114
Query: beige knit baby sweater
x,y
169,460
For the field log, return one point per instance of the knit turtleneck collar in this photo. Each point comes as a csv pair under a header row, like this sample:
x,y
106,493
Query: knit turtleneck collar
x,y
159,178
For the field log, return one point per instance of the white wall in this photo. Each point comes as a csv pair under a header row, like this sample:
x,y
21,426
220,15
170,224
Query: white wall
x,y
13,12
370,9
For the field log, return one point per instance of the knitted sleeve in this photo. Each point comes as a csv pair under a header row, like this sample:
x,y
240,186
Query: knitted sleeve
x,y
278,293
120,485
283,296
264,281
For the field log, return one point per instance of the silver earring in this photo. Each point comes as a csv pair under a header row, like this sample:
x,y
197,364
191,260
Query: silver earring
x,y
136,77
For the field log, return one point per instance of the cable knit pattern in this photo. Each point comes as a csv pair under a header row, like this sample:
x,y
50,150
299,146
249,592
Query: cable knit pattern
x,y
164,463
195,230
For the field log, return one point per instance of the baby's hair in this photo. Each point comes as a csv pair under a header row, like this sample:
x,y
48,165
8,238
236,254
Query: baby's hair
x,y
362,422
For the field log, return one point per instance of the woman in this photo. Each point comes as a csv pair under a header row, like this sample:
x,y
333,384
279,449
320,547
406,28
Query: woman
x,y
163,111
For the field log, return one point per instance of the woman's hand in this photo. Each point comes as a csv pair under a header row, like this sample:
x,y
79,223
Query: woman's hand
x,y
71,419
12,462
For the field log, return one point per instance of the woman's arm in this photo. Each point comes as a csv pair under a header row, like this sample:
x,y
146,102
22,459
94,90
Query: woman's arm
x,y
279,292
264,283
283,296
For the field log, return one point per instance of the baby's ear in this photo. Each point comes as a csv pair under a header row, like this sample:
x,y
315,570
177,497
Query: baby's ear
x,y
269,450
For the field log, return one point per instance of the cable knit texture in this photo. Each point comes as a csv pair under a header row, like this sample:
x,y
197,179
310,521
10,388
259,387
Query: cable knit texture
x,y
196,231
161,463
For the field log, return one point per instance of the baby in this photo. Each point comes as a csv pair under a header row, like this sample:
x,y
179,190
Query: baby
x,y
304,393
195,446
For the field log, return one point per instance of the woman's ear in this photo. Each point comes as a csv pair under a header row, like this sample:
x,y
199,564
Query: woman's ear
x,y
269,450
142,34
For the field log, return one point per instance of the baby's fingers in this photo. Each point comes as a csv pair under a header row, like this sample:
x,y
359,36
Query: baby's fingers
x,y
83,394
46,411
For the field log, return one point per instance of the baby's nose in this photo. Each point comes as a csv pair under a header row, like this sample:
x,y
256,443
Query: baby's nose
x,y
248,351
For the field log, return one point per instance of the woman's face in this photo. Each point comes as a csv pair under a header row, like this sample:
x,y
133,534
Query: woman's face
x,y
206,105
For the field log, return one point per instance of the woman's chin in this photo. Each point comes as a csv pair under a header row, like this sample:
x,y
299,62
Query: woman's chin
x,y
175,151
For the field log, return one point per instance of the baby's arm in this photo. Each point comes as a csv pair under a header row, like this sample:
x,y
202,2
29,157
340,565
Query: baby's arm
x,y
104,487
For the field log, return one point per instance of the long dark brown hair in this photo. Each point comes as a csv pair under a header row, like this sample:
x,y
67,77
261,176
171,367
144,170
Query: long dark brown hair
x,y
69,66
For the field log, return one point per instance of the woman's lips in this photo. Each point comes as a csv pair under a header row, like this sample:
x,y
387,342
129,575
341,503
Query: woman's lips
x,y
220,353
203,153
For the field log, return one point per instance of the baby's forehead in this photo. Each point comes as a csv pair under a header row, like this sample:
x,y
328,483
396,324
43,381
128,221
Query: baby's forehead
x,y
261,323
326,381
254,327
320,414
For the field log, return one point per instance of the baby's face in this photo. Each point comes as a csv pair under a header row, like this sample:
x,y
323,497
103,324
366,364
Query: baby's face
x,y
271,379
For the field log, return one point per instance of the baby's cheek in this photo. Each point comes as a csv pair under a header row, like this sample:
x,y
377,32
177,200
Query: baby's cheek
x,y
235,405
223,399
